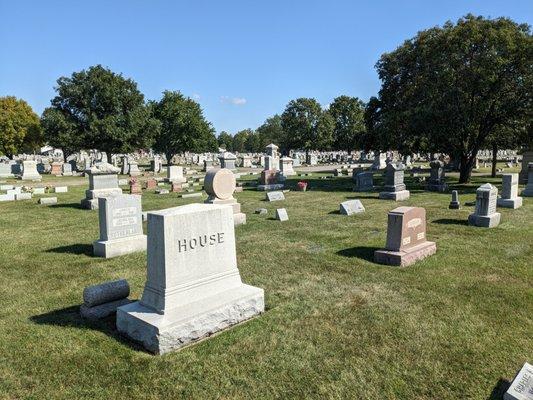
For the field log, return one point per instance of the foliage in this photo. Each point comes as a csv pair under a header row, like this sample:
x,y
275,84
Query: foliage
x,y
225,141
20,129
183,126
348,114
271,131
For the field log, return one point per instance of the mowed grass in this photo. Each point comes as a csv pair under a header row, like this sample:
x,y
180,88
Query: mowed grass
x,y
337,325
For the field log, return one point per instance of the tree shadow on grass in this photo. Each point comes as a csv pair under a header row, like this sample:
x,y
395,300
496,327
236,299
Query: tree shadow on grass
x,y
78,248
67,205
450,221
363,252
499,390
70,317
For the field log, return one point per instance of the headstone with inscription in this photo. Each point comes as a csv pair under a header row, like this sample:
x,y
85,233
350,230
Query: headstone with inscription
x,y
275,196
436,181
406,238
394,188
485,214
364,181
281,214
509,197
351,207
522,386
175,174
121,229
193,287
29,171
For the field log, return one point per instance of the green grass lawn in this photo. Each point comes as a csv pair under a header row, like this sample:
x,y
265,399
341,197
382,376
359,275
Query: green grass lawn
x,y
337,325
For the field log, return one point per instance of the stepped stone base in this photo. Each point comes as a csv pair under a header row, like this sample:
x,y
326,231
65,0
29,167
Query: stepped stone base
x,y
510,203
484,221
406,257
119,247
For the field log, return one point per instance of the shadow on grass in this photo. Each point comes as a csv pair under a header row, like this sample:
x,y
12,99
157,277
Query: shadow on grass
x,y
367,196
363,252
70,317
335,212
79,248
499,390
450,221
67,205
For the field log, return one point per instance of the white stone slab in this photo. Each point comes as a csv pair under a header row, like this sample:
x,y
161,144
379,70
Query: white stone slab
x,y
281,214
522,386
351,207
23,196
48,200
275,196
61,189
39,190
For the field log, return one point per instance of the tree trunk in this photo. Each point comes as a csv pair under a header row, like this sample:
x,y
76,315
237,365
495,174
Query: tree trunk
x,y
465,169
494,159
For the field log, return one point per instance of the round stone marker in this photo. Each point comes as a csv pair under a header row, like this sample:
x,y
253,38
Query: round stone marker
x,y
220,183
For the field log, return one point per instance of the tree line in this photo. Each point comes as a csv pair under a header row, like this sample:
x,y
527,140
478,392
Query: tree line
x,y
453,89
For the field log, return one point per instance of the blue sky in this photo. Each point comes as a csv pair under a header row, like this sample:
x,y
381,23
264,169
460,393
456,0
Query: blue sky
x,y
242,60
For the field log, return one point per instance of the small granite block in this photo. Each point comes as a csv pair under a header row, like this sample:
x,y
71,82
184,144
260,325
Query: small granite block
x,y
396,196
281,214
351,207
510,203
484,221
61,189
105,292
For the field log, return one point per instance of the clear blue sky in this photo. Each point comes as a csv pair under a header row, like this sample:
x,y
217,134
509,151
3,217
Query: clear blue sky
x,y
242,60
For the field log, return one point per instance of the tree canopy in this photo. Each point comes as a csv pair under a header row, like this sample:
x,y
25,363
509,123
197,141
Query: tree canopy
x,y
225,141
450,89
20,129
97,108
182,126
348,114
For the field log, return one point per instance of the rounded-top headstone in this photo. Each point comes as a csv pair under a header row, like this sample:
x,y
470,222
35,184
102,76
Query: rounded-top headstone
x,y
220,183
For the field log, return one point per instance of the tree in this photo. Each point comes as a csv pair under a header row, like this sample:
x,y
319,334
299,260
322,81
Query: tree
x,y
450,89
254,143
20,129
240,139
305,125
225,141
183,126
99,110
270,132
348,114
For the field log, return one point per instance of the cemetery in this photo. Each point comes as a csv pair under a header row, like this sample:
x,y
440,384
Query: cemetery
x,y
372,247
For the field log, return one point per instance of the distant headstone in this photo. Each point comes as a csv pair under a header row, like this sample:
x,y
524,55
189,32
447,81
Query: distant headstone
x,y
227,160
61,189
394,187
351,207
285,166
455,204
29,171
66,169
281,214
220,185
275,196
134,169
23,196
103,182
121,229
175,174
56,168
193,286
528,191
261,211
48,200
364,181
436,181
135,186
522,386
509,197
485,214
39,190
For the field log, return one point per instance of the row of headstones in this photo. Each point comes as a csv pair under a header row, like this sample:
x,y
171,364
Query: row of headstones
x,y
15,193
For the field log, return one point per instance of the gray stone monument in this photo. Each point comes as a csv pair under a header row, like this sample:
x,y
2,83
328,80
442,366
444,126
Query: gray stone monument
x,y
394,187
454,203
509,197
285,166
436,181
175,174
121,230
227,160
103,182
522,386
528,191
364,181
193,287
485,214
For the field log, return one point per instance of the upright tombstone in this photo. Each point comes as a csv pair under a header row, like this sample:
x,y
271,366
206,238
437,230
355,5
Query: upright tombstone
x,y
522,386
135,186
56,168
193,287
134,169
528,191
220,185
281,214
364,181
227,160
380,161
208,164
275,196
269,163
246,161
103,182
125,170
285,166
527,158
156,165
394,187
485,214
436,181
454,203
406,238
509,197
66,169
175,174
29,171
272,151
121,230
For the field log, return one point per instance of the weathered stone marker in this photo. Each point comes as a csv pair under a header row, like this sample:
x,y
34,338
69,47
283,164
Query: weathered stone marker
x,y
364,181
121,229
220,185
394,187
275,196
509,197
48,200
528,191
455,204
351,207
406,238
29,171
281,214
485,214
522,386
436,181
193,286
103,182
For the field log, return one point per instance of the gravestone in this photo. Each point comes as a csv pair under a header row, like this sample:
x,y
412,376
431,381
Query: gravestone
x,y
285,166
379,162
436,181
125,170
103,182
156,165
269,180
281,214
66,169
151,183
485,214
102,300
522,386
394,188
47,200
406,238
29,171
121,230
246,161
272,151
135,186
208,164
528,191
527,158
5,171
455,204
227,160
275,196
39,190
509,197
351,207
220,185
23,196
193,287
364,181
56,168
175,174
61,189
134,169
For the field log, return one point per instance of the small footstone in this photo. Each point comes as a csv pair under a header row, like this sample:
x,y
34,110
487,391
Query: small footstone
x,y
261,211
48,200
351,207
281,214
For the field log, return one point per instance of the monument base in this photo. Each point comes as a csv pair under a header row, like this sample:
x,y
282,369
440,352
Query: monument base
x,y
272,186
31,178
406,257
188,323
89,204
119,247
396,196
528,191
510,203
435,187
484,221
454,205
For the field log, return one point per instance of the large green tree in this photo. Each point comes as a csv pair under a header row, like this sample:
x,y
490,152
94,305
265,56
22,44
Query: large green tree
x,y
451,88
20,129
225,141
98,109
240,139
306,126
183,126
348,114
270,131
